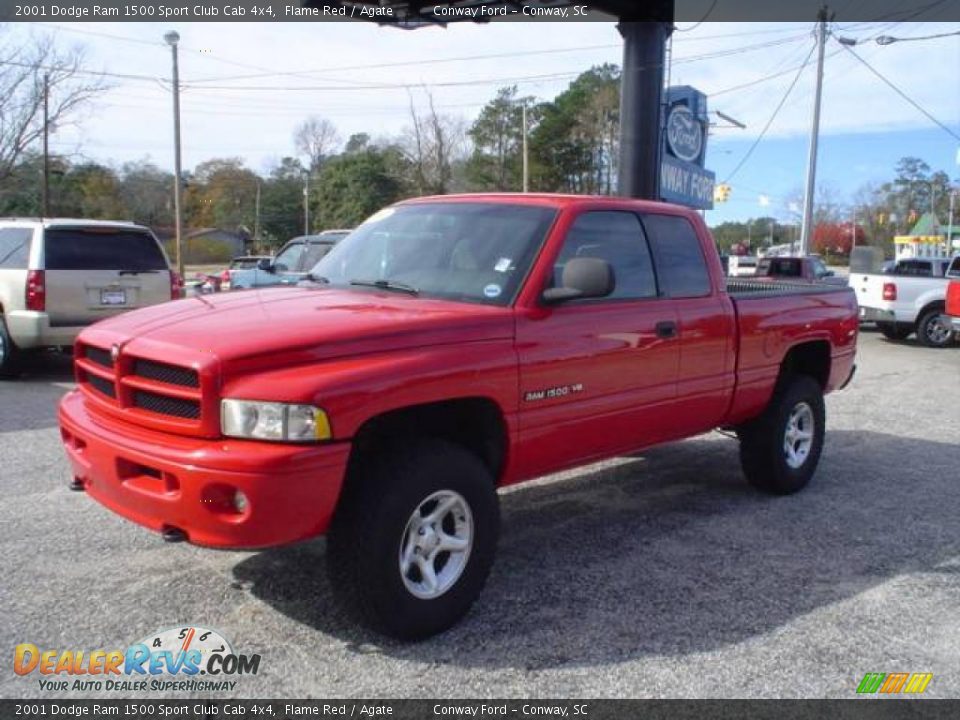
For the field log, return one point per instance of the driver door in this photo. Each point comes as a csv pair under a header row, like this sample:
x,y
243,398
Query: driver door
x,y
596,376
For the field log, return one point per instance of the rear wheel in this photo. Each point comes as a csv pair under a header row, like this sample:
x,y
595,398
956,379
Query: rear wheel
x,y
933,330
9,354
894,331
779,451
414,538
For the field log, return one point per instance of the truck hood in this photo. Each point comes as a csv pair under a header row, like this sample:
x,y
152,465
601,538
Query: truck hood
x,y
305,324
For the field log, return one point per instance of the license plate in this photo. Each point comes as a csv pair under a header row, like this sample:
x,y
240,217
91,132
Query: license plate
x,y
113,297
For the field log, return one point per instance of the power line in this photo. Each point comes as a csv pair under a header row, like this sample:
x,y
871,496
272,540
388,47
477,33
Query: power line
x,y
901,93
727,52
700,21
776,111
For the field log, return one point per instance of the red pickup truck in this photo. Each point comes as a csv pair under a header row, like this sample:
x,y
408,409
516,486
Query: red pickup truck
x,y
447,347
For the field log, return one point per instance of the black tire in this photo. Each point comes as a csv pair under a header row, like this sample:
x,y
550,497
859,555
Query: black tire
x,y
894,331
370,527
10,365
763,454
932,332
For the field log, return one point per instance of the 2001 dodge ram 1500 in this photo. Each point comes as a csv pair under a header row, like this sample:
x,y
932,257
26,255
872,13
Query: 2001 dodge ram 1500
x,y
448,347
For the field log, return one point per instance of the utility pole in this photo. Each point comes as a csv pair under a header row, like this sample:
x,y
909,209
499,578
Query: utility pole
x,y
45,201
256,218
306,203
807,227
526,159
172,39
953,196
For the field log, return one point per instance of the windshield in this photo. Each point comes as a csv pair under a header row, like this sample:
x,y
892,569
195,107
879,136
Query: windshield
x,y
477,252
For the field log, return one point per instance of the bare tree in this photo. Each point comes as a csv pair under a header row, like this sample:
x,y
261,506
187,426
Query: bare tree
x,y
432,145
316,138
22,70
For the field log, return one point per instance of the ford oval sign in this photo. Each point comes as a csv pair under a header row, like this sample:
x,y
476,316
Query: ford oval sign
x,y
684,133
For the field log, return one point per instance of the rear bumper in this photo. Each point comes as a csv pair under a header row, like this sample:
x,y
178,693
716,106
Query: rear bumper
x,y
31,329
868,314
168,482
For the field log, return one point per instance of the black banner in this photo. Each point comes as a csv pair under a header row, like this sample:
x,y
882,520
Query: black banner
x,y
413,14
857,709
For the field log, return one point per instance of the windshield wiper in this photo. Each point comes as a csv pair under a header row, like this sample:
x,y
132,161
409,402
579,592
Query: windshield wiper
x,y
318,278
387,285
134,271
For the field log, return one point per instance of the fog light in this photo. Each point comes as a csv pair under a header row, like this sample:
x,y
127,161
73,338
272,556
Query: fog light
x,y
240,502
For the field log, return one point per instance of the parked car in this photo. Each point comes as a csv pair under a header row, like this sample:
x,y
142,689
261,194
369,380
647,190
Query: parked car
x,y
741,265
243,262
447,347
803,269
59,275
291,264
909,300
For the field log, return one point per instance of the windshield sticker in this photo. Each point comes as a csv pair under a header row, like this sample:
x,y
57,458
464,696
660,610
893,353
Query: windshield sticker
x,y
492,291
503,264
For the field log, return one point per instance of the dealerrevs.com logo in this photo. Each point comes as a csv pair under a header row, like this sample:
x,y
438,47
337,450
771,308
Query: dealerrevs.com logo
x,y
184,659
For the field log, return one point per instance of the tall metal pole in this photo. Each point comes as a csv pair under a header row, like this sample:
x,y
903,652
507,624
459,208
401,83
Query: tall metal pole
x,y
256,218
306,203
172,39
807,227
45,203
953,196
526,158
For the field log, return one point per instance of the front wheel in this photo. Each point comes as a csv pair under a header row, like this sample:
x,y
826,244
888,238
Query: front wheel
x,y
779,451
933,330
414,538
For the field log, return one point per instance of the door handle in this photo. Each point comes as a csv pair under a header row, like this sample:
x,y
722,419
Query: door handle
x,y
666,329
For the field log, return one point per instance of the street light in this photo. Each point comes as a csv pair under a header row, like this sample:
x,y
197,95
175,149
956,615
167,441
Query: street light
x,y
172,38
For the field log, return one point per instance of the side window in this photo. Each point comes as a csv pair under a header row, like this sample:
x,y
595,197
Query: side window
x,y
15,248
680,260
314,253
289,258
618,238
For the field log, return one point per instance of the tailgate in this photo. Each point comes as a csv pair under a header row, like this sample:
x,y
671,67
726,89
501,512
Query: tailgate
x,y
93,272
869,289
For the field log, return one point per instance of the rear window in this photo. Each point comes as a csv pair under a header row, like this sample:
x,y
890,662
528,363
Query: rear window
x,y
101,249
15,247
680,262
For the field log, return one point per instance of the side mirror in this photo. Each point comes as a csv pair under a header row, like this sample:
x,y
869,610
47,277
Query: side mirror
x,y
829,273
582,278
265,264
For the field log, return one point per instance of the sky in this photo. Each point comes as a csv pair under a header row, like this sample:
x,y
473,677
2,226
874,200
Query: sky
x,y
246,86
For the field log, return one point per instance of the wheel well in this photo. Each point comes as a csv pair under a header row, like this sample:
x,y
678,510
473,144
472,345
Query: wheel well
x,y
474,423
935,305
810,358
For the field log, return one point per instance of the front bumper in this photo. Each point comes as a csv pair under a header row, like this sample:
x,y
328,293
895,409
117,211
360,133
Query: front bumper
x,y
166,482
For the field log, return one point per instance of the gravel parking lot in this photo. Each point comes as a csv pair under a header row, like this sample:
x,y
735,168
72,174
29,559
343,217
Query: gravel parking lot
x,y
657,576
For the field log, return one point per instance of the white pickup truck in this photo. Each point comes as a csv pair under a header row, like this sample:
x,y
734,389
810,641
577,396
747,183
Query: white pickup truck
x,y
909,299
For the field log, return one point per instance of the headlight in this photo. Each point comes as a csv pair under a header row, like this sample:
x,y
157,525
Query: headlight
x,y
273,421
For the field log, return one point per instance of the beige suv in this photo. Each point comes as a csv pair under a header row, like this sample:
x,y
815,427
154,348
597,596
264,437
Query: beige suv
x,y
58,276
